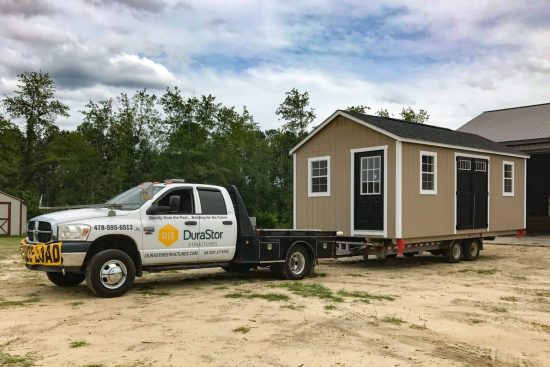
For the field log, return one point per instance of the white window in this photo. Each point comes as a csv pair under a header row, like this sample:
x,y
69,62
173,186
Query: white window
x,y
370,175
481,166
319,176
464,165
428,173
508,178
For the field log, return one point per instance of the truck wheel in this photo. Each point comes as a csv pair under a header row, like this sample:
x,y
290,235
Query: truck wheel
x,y
470,249
65,280
110,273
453,253
297,264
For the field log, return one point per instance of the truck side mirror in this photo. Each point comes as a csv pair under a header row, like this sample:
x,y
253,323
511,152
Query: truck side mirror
x,y
175,203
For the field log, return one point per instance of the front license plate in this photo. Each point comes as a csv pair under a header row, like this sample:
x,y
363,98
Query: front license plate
x,y
41,254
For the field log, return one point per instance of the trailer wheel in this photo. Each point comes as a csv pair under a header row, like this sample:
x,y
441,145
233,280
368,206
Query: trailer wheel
x,y
110,273
391,256
453,253
470,248
65,280
297,264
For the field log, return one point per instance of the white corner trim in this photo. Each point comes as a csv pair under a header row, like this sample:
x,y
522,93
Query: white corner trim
x,y
310,160
434,155
294,191
398,189
504,164
384,231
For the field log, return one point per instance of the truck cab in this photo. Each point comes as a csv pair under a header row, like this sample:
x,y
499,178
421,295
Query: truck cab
x,y
160,226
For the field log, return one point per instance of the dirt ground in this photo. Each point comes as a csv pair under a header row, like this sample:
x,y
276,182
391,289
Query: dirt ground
x,y
399,312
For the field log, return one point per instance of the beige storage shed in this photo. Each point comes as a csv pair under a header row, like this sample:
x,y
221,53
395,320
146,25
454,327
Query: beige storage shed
x,y
13,215
384,178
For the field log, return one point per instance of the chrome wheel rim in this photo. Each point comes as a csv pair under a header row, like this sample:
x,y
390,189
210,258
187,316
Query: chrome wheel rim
x,y
113,274
456,251
297,263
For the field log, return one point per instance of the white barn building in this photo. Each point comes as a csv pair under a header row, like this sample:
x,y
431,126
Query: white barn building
x,y
13,215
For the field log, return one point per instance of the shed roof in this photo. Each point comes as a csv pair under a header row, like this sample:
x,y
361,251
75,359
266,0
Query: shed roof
x,y
419,133
512,124
11,196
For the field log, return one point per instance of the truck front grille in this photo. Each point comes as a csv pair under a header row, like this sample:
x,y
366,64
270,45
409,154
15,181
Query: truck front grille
x,y
39,231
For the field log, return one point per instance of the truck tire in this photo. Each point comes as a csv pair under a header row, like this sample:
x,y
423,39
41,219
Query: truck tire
x,y
297,264
65,280
453,253
110,273
470,249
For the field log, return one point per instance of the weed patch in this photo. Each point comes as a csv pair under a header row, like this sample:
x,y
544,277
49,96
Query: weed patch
x,y
393,320
365,296
355,275
509,298
330,307
310,290
78,343
267,296
293,307
6,304
148,292
9,360
242,329
490,271
518,277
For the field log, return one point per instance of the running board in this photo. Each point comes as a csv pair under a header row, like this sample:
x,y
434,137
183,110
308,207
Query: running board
x,y
159,268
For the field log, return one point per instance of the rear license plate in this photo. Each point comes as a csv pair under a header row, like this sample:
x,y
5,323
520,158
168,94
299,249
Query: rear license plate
x,y
41,254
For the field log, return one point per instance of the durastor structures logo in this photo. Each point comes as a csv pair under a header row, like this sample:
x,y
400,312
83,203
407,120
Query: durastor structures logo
x,y
168,234
206,235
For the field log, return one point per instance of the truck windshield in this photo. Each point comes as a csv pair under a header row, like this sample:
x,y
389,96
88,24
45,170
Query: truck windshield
x,y
131,199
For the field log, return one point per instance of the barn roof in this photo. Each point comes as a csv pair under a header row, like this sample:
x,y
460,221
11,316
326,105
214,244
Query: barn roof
x,y
512,124
419,133
11,196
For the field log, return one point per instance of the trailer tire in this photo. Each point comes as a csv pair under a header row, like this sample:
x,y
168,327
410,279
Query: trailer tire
x,y
453,253
65,280
297,264
110,273
470,249
391,256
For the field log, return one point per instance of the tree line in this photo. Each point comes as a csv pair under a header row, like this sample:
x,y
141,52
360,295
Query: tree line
x,y
129,139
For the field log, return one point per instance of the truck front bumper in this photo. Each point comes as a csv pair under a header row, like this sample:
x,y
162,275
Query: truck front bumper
x,y
54,256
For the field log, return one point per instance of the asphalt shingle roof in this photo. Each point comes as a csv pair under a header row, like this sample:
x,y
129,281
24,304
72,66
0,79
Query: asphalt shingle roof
x,y
433,134
512,124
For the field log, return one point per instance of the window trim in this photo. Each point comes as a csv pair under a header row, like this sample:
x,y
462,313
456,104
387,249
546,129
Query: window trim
x,y
361,192
309,177
504,164
434,155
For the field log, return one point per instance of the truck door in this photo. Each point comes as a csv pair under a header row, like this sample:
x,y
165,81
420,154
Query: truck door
x,y
218,225
163,231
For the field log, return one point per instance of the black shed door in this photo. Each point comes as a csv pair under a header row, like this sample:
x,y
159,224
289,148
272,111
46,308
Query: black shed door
x,y
369,193
472,193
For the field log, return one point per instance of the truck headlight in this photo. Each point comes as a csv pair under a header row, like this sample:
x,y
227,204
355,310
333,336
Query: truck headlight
x,y
73,232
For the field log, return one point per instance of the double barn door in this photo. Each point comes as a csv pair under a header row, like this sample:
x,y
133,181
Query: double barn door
x,y
472,193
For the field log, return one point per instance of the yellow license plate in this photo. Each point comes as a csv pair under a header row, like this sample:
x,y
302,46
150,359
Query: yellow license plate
x,y
41,254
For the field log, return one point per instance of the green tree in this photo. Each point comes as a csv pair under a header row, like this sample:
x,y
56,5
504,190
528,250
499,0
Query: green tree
x,y
35,104
383,113
408,114
359,108
295,111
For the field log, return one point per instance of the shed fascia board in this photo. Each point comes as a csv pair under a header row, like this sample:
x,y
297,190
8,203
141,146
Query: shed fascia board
x,y
398,138
11,196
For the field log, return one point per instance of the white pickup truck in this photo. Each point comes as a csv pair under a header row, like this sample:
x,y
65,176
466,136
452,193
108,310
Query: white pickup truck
x,y
164,226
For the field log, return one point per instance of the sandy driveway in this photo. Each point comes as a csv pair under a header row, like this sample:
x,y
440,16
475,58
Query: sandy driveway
x,y
400,312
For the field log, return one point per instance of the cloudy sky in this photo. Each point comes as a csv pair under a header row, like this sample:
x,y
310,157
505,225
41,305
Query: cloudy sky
x,y
452,58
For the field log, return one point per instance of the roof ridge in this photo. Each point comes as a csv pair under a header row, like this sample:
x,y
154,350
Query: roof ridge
x,y
400,120
518,107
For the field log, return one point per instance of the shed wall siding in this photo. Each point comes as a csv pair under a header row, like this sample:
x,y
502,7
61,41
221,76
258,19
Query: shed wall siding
x,y
434,215
336,140
14,214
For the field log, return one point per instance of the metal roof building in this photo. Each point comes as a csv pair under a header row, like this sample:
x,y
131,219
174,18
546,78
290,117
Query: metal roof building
x,y
525,128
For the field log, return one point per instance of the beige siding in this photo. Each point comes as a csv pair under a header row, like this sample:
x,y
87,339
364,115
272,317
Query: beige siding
x,y
434,215
336,140
17,214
